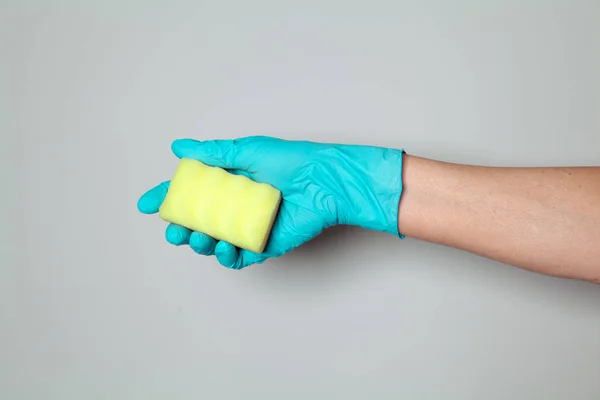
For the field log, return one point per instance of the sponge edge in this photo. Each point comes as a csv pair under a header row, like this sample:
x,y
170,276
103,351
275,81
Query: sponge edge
x,y
222,205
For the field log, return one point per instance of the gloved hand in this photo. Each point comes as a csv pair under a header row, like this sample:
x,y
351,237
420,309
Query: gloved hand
x,y
322,185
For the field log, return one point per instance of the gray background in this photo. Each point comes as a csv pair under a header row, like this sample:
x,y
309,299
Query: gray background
x,y
94,304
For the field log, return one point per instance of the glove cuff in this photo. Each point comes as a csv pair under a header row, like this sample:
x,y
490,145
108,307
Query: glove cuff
x,y
372,191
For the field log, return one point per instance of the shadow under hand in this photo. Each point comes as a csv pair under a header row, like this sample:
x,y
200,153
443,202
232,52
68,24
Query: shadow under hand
x,y
337,255
325,250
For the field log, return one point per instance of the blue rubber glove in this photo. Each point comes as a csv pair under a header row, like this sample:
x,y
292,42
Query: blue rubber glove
x,y
322,185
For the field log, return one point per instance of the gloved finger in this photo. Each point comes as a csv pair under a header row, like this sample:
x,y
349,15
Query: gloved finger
x,y
177,235
150,201
226,253
202,244
217,153
247,258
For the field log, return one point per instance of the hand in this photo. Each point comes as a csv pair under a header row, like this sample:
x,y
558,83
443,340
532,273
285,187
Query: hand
x,y
321,184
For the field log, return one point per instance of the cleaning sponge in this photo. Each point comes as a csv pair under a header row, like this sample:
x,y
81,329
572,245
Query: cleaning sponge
x,y
222,205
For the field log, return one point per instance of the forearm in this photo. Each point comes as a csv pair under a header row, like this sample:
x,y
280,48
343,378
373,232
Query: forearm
x,y
542,219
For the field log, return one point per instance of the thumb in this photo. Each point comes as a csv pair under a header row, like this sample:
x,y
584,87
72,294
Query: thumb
x,y
217,153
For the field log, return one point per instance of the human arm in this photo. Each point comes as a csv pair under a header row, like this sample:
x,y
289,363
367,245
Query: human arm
x,y
542,219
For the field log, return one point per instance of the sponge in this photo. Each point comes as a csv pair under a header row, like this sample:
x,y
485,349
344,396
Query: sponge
x,y
220,204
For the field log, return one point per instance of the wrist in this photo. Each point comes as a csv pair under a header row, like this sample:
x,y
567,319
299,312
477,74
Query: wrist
x,y
427,208
372,190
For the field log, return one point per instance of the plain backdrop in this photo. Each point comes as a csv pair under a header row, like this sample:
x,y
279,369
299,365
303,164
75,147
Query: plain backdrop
x,y
95,304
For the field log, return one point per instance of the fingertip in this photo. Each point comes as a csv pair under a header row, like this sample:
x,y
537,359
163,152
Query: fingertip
x,y
202,244
149,202
177,235
142,206
182,147
226,254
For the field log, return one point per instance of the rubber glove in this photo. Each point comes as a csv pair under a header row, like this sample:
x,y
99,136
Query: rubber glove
x,y
322,185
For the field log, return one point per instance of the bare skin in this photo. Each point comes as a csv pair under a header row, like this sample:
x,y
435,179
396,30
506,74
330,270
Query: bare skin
x,y
545,220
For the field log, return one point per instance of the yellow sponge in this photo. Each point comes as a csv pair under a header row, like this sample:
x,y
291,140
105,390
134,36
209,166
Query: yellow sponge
x,y
222,205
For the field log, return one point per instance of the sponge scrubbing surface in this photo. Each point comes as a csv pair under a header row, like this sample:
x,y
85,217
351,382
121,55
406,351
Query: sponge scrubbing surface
x,y
225,206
